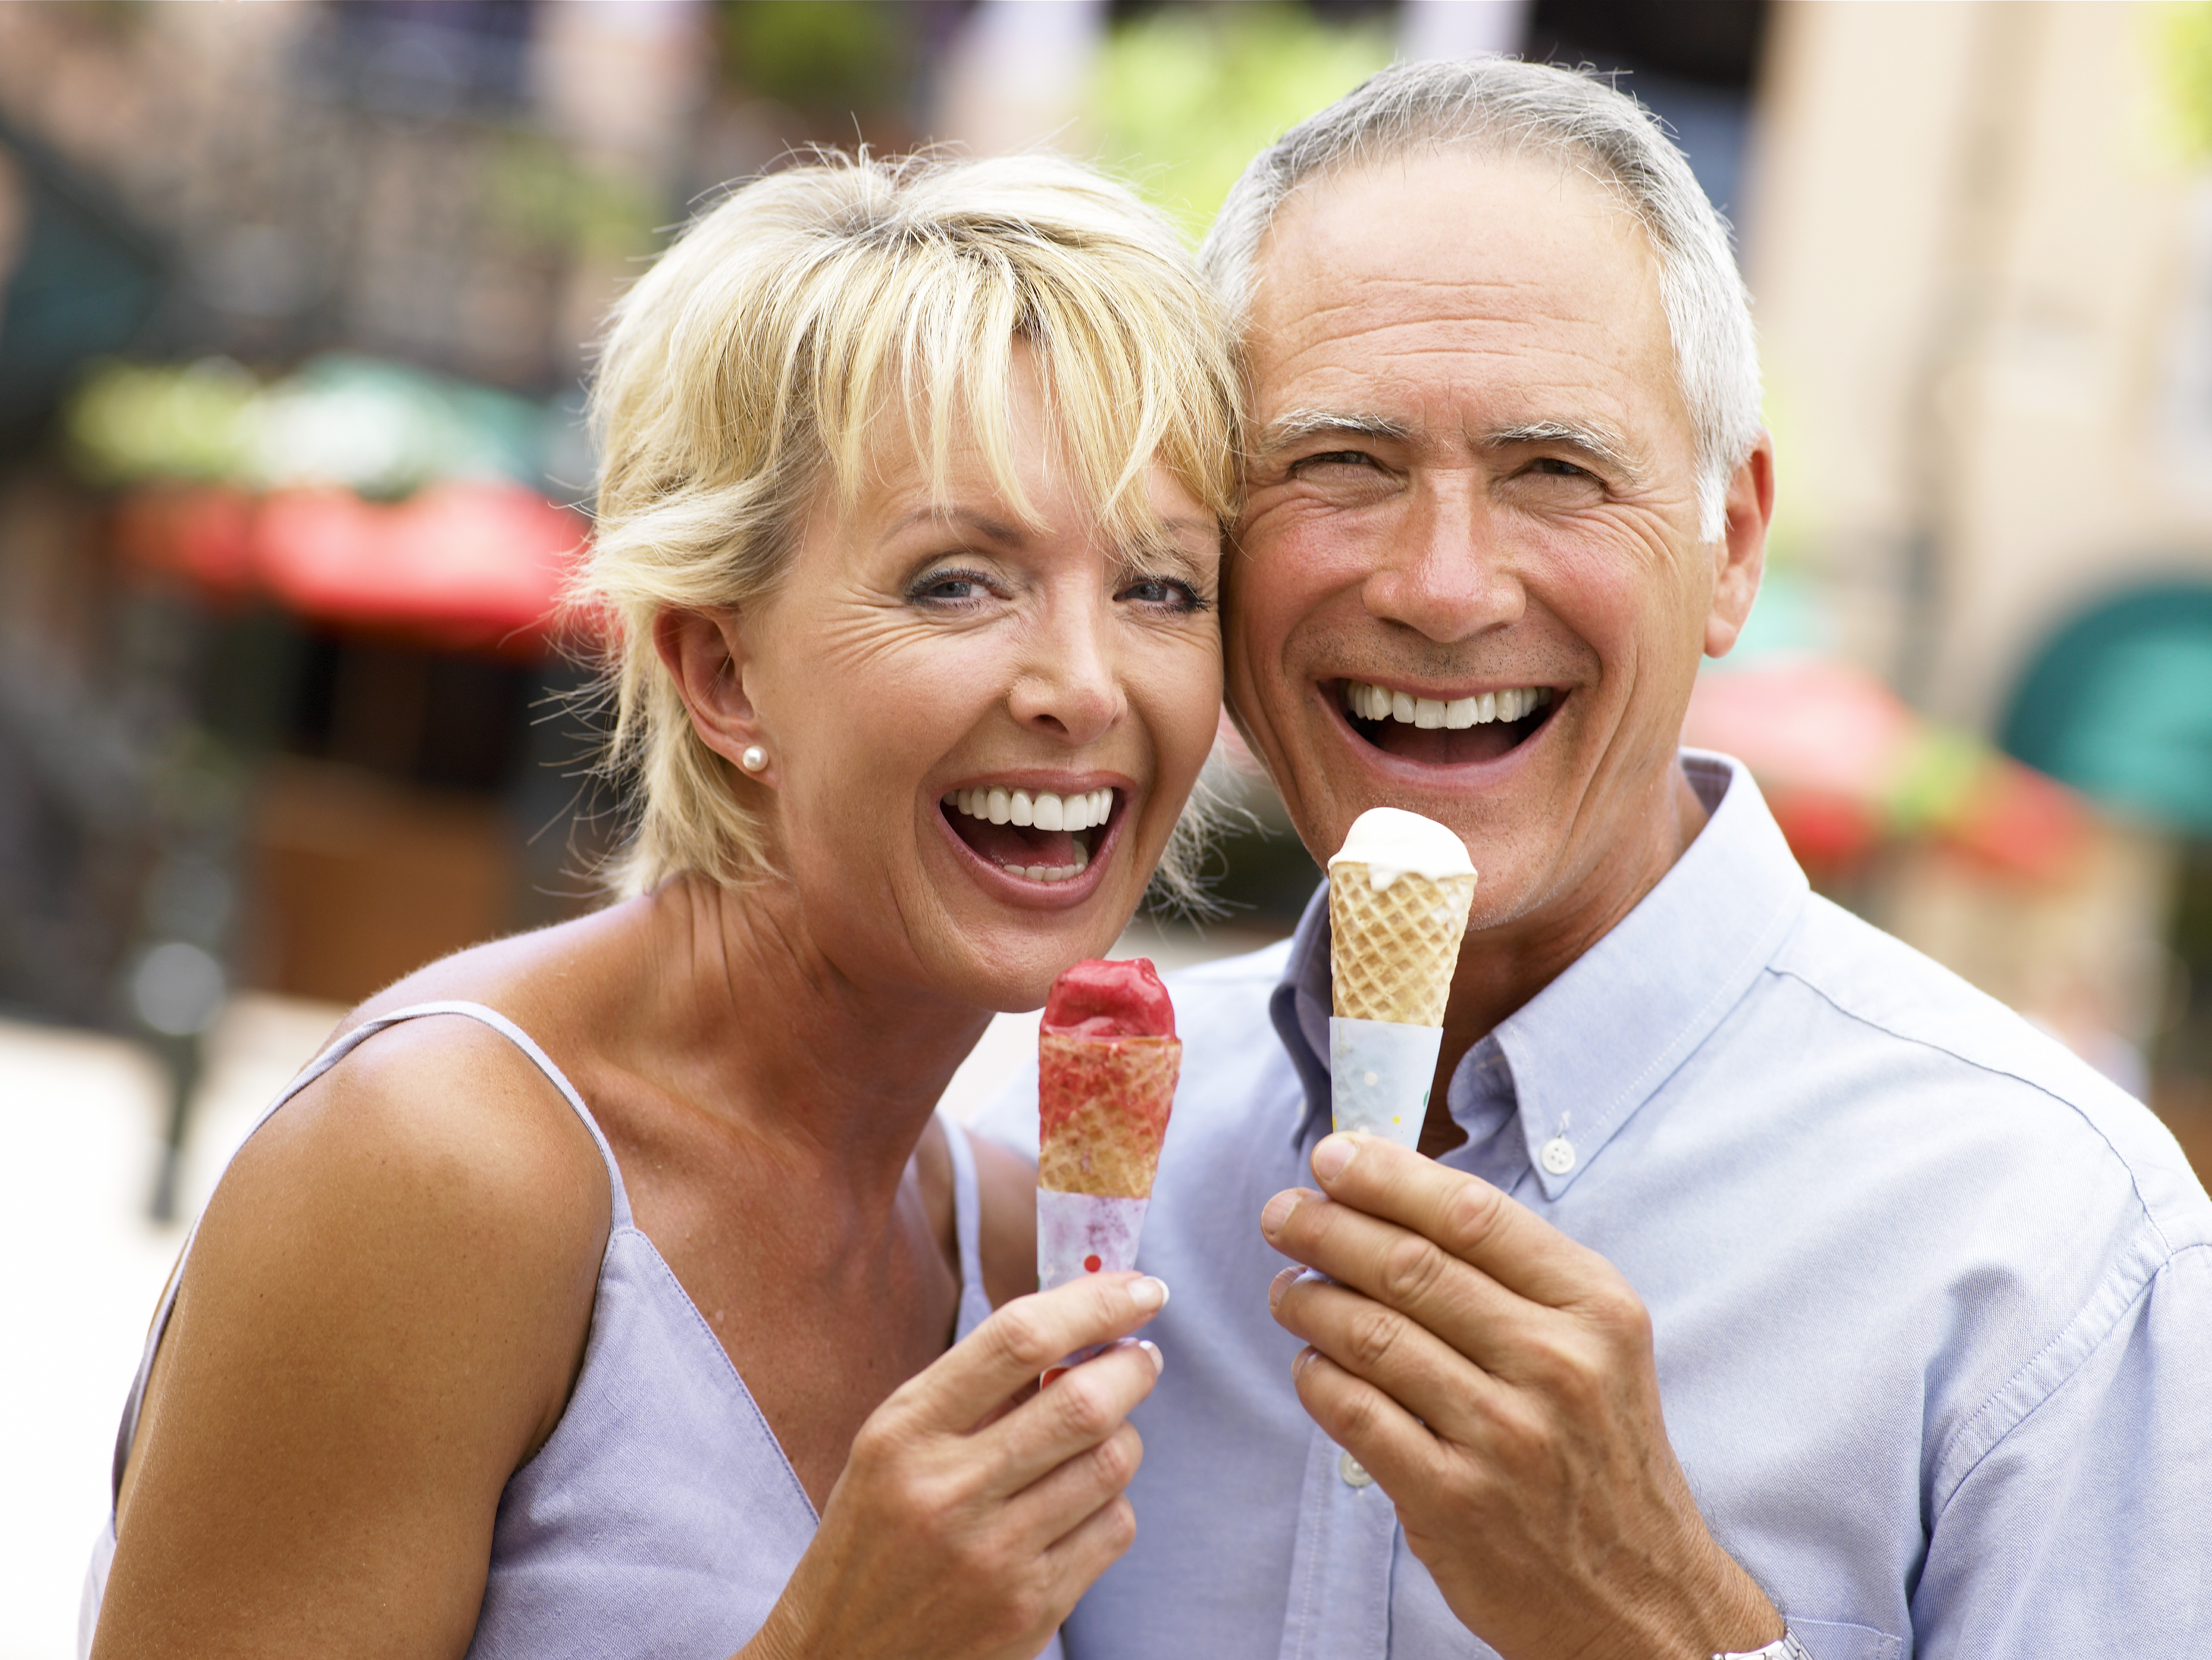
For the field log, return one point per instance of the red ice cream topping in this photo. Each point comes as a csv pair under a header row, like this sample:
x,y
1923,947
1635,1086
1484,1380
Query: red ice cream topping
x,y
1099,999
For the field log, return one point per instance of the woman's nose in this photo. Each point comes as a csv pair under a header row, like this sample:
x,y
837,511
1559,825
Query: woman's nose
x,y
1070,686
1446,575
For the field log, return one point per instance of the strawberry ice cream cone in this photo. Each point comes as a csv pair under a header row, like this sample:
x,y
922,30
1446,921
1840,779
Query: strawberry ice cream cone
x,y
1106,1059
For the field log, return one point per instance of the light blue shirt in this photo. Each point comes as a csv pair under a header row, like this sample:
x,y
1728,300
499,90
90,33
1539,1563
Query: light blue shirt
x,y
1932,1299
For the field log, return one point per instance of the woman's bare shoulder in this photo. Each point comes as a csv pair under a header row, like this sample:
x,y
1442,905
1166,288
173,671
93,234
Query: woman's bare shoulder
x,y
384,1308
434,1168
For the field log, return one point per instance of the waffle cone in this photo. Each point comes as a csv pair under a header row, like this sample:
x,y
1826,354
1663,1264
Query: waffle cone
x,y
1392,950
1103,1105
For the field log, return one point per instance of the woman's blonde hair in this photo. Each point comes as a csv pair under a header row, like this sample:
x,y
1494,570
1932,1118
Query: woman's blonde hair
x,y
740,376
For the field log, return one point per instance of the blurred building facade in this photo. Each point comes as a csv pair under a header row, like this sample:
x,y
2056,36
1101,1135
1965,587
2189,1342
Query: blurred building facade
x,y
1978,242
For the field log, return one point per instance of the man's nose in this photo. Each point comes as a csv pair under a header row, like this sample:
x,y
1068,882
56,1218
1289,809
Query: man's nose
x,y
1446,574
1069,685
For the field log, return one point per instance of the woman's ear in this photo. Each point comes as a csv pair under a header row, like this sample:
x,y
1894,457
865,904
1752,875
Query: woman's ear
x,y
704,652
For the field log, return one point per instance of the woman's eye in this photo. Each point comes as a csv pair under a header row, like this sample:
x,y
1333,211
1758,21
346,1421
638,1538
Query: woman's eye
x,y
950,588
1164,592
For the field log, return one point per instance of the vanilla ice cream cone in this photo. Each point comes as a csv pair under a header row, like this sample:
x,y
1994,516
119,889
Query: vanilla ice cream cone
x,y
1399,896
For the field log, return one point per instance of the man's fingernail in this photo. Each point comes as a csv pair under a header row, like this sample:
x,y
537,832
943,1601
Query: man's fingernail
x,y
1160,1360
1278,1212
1148,1293
1333,1153
1279,1285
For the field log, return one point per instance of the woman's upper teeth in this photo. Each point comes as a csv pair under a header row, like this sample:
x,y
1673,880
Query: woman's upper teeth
x,y
1379,703
1041,808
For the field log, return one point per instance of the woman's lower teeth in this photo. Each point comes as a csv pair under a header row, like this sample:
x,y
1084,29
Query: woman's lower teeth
x,y
1052,873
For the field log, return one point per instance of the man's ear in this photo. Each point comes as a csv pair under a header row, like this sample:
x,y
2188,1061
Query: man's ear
x,y
704,652
1740,556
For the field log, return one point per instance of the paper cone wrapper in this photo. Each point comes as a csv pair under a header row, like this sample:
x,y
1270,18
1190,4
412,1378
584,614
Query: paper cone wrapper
x,y
1081,1233
1084,1233
1392,950
1380,1072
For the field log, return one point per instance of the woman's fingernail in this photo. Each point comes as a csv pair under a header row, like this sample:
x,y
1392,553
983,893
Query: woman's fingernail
x,y
1279,1285
1279,1211
1160,1360
1333,1153
1149,1294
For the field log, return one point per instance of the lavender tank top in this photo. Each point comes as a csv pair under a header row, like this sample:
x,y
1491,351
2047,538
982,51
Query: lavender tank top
x,y
661,1517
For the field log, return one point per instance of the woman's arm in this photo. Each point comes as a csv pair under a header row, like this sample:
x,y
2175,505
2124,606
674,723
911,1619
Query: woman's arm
x,y
383,1313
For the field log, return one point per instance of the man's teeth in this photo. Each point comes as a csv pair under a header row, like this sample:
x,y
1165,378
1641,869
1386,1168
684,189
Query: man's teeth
x,y
1039,808
1378,703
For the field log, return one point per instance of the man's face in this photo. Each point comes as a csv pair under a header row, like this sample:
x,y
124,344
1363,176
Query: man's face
x,y
1476,490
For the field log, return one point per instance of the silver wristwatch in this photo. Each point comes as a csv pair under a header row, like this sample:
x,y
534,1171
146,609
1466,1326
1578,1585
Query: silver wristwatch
x,y
1784,1647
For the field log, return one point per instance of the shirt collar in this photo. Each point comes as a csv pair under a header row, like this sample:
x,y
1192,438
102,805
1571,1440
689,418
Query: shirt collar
x,y
1594,1045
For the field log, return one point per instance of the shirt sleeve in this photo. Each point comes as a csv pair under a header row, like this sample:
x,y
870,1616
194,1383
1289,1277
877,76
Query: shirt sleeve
x,y
2083,1529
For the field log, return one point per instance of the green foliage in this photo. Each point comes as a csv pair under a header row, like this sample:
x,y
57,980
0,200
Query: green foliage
x,y
2182,45
127,421
816,56
533,189
1184,97
381,428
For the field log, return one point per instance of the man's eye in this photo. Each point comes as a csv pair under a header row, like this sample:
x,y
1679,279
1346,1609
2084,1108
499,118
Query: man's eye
x,y
1333,459
1552,464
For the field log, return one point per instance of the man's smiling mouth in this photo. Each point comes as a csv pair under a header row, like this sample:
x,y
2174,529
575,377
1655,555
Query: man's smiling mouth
x,y
1030,833
1445,732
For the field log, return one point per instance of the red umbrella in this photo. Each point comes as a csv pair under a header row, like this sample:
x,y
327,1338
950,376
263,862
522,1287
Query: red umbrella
x,y
463,563
1845,764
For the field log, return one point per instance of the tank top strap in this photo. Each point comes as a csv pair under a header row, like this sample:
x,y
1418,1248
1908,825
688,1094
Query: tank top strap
x,y
321,1064
967,1229
522,1040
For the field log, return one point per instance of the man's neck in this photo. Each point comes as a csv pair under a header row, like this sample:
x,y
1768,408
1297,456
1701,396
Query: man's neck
x,y
1501,969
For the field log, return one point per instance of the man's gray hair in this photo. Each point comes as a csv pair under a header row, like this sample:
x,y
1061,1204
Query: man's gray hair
x,y
1500,105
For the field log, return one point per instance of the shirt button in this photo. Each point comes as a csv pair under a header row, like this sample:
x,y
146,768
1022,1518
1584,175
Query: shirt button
x,y
1353,1472
1558,1155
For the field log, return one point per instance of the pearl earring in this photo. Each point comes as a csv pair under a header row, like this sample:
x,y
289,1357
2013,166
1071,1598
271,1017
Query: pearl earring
x,y
755,759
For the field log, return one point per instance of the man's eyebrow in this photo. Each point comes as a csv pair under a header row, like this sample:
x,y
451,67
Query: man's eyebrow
x,y
1600,444
1298,425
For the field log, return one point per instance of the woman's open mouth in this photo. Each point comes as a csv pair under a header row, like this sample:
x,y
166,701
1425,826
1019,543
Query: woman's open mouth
x,y
1035,835
1445,732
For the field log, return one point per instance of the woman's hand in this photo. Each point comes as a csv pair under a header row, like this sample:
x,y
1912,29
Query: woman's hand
x,y
965,1524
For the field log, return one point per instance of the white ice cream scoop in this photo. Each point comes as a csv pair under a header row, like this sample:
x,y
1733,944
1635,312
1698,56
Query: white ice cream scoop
x,y
1392,843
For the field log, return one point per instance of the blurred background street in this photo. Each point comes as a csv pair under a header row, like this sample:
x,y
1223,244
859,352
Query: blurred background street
x,y
295,305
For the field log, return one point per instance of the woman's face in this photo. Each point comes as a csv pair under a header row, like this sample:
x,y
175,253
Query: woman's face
x,y
981,730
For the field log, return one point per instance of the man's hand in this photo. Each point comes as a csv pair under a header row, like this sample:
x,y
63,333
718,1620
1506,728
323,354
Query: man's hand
x,y
1497,1381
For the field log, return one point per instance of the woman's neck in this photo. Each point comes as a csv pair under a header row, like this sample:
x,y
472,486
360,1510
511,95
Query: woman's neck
x,y
765,1028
